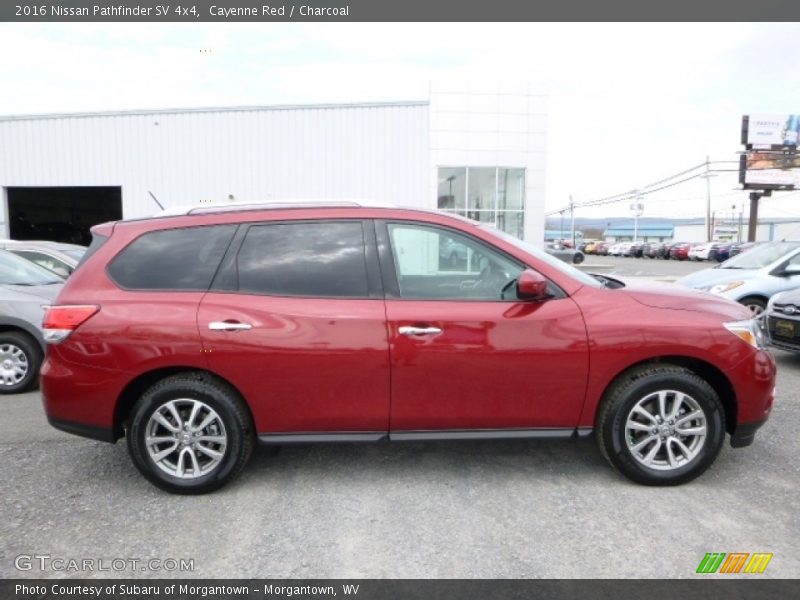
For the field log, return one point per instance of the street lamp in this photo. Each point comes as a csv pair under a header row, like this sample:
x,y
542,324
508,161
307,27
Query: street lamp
x,y
637,208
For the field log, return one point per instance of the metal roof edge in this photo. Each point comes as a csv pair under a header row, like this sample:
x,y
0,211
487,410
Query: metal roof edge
x,y
253,108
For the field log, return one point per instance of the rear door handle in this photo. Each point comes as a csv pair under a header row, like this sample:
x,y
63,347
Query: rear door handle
x,y
410,330
228,326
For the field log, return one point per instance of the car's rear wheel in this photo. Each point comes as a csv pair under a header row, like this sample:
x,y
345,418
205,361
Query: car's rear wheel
x,y
661,425
190,434
755,304
577,258
20,360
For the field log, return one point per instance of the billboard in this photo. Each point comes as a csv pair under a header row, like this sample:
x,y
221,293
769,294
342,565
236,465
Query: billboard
x,y
769,171
771,132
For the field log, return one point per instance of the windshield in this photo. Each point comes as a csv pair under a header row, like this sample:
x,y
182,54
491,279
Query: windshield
x,y
18,271
544,257
760,256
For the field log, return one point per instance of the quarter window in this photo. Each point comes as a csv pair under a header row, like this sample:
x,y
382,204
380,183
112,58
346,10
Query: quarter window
x,y
304,259
172,259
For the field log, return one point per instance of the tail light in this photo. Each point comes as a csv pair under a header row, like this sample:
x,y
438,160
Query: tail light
x,y
60,321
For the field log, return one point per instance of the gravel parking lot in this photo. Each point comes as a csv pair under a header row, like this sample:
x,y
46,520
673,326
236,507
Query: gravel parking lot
x,y
643,267
451,509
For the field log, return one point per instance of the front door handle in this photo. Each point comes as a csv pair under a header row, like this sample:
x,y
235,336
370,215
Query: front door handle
x,y
410,330
228,326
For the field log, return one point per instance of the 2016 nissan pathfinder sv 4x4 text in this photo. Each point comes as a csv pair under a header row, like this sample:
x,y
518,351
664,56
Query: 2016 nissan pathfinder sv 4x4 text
x,y
194,335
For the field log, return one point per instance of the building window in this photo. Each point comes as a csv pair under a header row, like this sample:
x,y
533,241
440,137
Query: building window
x,y
492,195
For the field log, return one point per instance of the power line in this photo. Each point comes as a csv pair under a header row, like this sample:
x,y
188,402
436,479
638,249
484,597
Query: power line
x,y
651,187
646,189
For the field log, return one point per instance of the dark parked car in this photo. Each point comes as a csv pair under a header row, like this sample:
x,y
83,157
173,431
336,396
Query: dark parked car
x,y
635,249
742,247
783,320
601,248
654,250
196,336
720,252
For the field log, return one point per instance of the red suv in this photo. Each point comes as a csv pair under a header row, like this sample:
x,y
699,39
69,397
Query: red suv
x,y
197,335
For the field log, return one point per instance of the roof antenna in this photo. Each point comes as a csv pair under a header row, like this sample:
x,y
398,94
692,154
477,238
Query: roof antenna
x,y
155,199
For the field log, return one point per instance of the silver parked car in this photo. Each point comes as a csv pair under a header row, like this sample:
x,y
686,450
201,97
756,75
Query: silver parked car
x,y
782,320
753,277
24,290
56,256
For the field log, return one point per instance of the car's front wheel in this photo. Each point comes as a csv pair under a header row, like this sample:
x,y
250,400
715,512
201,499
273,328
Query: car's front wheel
x,y
661,425
20,360
755,304
190,434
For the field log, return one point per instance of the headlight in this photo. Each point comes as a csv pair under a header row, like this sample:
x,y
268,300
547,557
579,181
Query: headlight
x,y
721,288
748,331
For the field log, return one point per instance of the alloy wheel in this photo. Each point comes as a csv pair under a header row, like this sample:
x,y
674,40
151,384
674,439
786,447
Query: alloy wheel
x,y
665,430
186,438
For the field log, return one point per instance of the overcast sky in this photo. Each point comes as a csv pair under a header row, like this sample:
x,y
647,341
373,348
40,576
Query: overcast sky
x,y
629,104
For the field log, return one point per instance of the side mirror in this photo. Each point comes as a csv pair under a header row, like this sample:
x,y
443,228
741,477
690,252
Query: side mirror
x,y
531,285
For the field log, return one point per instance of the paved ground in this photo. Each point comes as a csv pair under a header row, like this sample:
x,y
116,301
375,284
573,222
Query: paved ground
x,y
482,510
643,267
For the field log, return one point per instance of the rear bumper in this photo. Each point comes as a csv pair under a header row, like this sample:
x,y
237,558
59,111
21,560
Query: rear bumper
x,y
89,431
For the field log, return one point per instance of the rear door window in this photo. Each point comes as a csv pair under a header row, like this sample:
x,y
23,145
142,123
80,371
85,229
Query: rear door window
x,y
304,259
172,259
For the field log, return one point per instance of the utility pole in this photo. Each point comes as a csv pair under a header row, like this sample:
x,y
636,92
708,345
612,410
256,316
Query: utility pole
x,y
572,214
752,225
707,176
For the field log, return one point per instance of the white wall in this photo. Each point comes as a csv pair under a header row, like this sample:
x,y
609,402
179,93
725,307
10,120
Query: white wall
x,y
697,233
383,151
370,151
787,231
492,125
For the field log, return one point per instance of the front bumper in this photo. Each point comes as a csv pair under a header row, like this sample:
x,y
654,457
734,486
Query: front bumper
x,y
745,434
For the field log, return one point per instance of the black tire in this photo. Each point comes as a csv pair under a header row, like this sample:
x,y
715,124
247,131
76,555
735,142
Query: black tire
x,y
755,304
20,346
227,404
636,385
577,258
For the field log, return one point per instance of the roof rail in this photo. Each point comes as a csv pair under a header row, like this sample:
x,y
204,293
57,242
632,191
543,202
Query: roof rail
x,y
248,206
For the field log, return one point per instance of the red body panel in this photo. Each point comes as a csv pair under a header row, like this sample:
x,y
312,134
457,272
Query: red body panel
x,y
306,365
495,365
141,332
625,332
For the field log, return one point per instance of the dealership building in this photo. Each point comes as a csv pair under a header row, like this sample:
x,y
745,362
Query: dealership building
x,y
473,152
